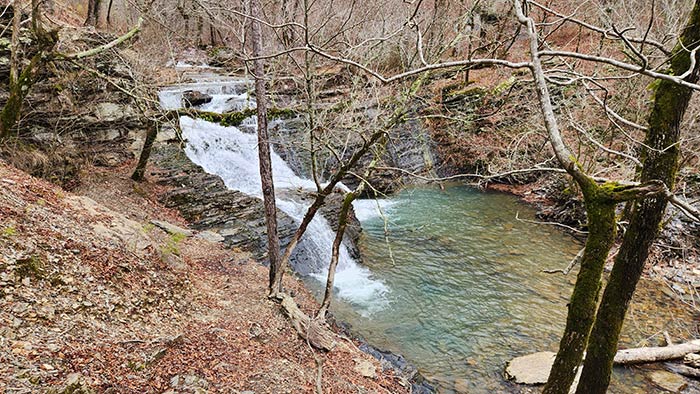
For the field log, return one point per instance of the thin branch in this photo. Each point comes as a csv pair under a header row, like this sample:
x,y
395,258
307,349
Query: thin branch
x,y
625,66
550,223
479,176
606,33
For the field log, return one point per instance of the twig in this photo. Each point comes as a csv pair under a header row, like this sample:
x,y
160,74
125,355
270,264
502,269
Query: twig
x,y
569,267
550,223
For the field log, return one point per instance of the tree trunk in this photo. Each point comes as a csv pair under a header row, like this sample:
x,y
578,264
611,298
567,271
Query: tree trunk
x,y
582,306
313,330
10,112
660,163
93,13
268,189
151,135
342,224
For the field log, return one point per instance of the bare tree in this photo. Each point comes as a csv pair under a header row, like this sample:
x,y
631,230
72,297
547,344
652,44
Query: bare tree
x,y
661,156
268,189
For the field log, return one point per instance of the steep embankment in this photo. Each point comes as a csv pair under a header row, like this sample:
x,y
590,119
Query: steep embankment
x,y
92,295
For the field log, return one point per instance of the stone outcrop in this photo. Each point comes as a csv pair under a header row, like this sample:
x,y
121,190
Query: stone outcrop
x,y
208,204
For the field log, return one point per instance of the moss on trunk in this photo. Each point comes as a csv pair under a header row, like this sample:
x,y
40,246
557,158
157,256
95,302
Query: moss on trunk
x,y
660,163
600,209
19,89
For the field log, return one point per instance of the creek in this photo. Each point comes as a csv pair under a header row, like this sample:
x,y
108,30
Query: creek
x,y
451,280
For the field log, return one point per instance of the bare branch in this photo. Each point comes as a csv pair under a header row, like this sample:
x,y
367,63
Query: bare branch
x,y
606,33
622,65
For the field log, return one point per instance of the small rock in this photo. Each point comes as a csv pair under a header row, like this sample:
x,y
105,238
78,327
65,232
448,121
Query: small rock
x,y
461,386
193,98
692,359
365,368
47,367
255,330
668,381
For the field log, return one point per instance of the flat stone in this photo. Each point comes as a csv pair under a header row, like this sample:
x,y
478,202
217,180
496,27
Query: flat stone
x,y
109,111
210,236
668,381
365,368
171,228
531,369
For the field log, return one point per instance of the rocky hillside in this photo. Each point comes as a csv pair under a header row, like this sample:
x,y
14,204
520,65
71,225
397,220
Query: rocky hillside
x,y
109,292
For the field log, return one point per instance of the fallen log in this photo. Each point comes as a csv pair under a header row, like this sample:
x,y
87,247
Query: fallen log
x,y
653,354
313,330
534,368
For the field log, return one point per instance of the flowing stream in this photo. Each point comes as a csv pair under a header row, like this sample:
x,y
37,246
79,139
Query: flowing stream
x,y
451,279
232,154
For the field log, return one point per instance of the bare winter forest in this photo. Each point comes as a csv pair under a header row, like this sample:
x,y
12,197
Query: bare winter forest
x,y
153,152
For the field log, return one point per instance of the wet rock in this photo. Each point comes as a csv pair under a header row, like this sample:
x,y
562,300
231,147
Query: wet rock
x,y
531,369
193,98
668,381
206,203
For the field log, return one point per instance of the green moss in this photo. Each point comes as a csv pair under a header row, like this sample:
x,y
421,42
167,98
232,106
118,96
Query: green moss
x,y
30,267
9,231
234,119
172,244
504,86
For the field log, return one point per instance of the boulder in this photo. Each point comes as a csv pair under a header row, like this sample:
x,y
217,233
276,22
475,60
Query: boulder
x,y
193,98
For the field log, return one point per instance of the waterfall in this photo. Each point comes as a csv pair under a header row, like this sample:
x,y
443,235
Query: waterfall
x,y
232,154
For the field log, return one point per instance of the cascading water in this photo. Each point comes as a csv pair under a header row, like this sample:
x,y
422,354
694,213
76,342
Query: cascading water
x,y
232,154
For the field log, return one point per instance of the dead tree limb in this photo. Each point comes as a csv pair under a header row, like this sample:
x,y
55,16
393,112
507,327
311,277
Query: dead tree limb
x,y
310,329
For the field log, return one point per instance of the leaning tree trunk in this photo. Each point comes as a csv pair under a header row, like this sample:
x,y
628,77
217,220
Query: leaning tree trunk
x,y
600,201
21,82
268,189
151,135
660,163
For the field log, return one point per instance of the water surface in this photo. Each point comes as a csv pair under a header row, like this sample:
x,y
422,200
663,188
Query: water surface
x,y
467,287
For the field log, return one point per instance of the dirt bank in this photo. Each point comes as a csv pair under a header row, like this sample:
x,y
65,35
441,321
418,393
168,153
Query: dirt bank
x,y
92,295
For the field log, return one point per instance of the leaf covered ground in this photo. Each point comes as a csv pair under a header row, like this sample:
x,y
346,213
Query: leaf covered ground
x,y
95,298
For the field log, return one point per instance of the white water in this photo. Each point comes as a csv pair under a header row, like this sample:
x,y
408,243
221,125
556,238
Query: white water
x,y
232,154
368,209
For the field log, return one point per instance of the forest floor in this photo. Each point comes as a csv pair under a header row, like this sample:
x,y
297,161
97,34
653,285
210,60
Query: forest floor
x,y
93,297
